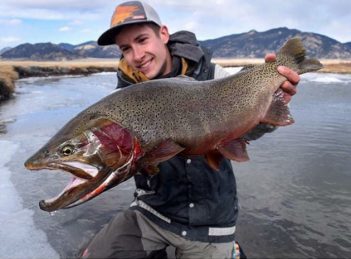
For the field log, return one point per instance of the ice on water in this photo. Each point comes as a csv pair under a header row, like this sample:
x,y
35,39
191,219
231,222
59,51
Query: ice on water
x,y
18,234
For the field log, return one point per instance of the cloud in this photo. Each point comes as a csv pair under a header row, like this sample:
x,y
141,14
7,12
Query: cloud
x,y
14,22
87,30
65,28
53,9
11,22
223,17
77,22
9,40
208,20
54,4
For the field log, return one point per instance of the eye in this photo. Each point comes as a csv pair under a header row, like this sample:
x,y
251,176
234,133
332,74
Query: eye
x,y
124,49
67,150
142,40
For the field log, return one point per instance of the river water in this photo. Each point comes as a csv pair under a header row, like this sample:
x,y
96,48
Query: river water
x,y
295,192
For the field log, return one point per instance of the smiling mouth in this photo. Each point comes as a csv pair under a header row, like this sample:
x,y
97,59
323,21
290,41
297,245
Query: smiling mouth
x,y
144,67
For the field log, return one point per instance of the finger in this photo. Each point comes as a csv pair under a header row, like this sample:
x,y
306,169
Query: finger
x,y
270,57
288,88
290,74
287,98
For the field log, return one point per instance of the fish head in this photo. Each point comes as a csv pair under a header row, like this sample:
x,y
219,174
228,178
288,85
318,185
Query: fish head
x,y
99,155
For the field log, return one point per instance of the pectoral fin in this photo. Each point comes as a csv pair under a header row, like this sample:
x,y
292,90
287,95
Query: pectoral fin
x,y
278,113
160,153
235,150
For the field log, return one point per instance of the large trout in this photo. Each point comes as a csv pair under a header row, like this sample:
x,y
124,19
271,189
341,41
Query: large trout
x,y
136,128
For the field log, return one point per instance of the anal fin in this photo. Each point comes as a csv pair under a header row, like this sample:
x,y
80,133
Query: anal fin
x,y
234,150
278,113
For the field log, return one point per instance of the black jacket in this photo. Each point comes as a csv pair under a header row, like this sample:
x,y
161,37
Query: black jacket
x,y
187,197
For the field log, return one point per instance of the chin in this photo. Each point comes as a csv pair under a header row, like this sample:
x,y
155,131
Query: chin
x,y
151,75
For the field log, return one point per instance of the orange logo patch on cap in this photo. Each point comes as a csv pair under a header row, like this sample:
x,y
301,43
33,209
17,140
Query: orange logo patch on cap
x,y
123,13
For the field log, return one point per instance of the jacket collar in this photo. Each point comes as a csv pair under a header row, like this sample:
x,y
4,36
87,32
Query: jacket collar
x,y
135,76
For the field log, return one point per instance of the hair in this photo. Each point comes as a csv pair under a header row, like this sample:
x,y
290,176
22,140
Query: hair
x,y
155,27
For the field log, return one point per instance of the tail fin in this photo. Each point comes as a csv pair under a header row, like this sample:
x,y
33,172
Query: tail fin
x,y
293,55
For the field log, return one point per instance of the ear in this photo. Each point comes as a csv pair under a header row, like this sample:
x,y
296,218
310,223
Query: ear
x,y
164,34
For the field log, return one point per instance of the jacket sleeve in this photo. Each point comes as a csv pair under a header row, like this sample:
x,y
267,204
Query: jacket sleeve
x,y
260,129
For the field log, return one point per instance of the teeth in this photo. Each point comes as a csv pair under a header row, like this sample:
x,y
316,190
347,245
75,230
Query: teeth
x,y
144,64
92,170
74,182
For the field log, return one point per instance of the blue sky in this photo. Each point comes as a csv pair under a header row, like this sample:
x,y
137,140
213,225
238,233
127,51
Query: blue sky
x,y
77,21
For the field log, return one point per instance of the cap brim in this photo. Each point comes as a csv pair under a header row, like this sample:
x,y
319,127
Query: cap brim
x,y
108,37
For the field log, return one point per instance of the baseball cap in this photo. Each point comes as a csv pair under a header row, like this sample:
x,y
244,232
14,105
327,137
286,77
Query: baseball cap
x,y
130,12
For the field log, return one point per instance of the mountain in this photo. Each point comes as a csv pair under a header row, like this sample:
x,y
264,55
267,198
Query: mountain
x,y
66,46
4,50
348,44
40,51
255,44
252,44
91,49
62,51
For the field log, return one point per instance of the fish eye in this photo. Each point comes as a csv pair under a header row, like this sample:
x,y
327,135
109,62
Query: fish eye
x,y
67,150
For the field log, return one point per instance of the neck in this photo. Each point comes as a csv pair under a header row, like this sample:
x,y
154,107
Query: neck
x,y
168,64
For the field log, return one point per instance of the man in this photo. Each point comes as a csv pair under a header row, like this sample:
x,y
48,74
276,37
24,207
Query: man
x,y
186,205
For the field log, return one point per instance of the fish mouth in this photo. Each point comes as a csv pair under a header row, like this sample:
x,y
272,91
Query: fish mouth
x,y
88,181
85,179
76,169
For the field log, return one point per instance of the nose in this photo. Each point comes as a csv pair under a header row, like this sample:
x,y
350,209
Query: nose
x,y
138,53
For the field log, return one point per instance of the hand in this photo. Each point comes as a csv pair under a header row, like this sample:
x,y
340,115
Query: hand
x,y
288,86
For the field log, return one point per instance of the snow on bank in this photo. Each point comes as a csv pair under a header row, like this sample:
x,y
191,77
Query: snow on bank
x,y
327,78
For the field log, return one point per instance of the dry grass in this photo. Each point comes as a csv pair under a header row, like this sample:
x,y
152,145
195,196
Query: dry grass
x,y
7,81
237,62
336,66
69,63
75,67
10,70
330,65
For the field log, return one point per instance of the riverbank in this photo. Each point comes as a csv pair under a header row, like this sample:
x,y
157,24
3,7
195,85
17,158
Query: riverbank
x,y
11,70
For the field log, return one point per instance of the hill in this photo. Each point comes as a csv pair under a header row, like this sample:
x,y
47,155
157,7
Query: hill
x,y
255,44
40,51
252,44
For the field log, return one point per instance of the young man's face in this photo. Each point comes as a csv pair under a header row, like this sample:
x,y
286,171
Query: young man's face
x,y
145,50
